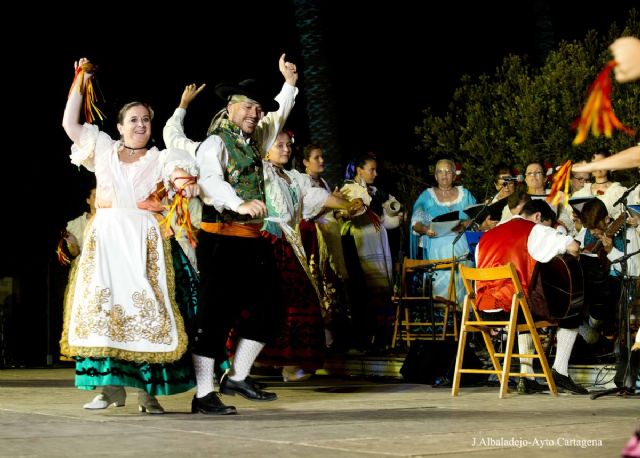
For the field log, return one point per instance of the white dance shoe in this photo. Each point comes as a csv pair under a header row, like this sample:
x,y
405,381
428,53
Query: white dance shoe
x,y
111,395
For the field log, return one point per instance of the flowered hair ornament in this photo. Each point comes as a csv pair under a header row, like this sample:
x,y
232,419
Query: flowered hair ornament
x,y
350,171
290,134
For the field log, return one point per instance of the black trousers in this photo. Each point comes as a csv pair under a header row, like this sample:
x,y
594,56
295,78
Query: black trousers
x,y
239,288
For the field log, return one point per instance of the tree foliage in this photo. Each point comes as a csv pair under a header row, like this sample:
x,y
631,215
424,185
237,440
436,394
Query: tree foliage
x,y
523,114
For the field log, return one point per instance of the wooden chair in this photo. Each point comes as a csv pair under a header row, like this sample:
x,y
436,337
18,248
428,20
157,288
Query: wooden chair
x,y
404,326
501,361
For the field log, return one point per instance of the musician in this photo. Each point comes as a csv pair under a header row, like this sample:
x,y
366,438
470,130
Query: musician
x,y
525,240
601,274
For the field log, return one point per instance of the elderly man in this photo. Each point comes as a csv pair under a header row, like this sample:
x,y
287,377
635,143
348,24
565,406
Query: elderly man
x,y
237,267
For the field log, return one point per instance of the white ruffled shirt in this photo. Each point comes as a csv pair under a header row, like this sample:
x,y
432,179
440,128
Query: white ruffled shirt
x,y
212,155
123,185
292,202
610,196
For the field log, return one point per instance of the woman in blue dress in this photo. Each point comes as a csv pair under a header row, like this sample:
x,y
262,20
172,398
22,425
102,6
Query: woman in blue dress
x,y
427,244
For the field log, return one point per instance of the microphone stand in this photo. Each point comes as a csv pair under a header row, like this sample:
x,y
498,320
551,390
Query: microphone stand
x,y
454,259
625,385
623,198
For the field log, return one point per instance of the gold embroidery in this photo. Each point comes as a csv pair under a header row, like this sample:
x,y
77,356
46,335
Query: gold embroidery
x,y
152,322
158,323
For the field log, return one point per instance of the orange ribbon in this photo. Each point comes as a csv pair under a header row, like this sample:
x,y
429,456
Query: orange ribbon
x,y
61,251
180,208
89,94
597,114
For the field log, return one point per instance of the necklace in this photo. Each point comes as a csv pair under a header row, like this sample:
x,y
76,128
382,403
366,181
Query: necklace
x,y
132,151
315,181
281,173
445,191
601,182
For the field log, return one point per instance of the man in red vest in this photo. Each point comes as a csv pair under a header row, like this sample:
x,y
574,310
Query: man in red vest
x,y
524,241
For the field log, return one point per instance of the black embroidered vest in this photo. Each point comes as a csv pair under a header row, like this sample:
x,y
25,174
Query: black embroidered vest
x,y
243,171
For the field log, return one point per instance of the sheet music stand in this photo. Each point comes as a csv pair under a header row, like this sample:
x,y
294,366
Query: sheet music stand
x,y
473,238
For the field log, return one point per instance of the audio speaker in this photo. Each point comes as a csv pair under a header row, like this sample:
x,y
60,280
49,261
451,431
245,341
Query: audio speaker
x,y
432,362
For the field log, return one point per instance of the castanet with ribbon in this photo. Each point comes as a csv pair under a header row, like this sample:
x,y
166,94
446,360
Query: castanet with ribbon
x,y
179,207
89,93
61,250
597,115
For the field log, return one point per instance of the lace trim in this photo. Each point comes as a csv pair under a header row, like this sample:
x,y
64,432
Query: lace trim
x,y
355,191
169,167
83,153
449,203
280,201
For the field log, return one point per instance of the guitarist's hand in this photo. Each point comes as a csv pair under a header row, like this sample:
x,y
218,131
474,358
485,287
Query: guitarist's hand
x,y
573,249
607,243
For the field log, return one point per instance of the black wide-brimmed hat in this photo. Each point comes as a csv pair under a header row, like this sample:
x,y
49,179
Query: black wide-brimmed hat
x,y
250,88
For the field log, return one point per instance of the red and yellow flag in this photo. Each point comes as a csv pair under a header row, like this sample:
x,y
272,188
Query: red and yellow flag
x,y
560,185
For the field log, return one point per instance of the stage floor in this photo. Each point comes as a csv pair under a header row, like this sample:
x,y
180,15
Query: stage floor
x,y
41,416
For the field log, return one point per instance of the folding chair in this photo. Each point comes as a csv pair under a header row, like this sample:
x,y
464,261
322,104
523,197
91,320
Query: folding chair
x,y
407,330
518,304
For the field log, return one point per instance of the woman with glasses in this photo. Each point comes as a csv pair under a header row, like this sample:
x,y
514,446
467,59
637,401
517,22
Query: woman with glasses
x,y
578,180
536,179
504,182
427,244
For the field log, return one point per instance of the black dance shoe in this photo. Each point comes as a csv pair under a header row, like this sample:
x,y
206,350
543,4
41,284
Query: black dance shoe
x,y
565,382
530,386
211,405
245,388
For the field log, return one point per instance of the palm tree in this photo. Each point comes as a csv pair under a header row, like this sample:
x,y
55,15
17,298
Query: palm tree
x,y
317,87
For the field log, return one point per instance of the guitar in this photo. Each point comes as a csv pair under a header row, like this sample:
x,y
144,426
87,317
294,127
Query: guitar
x,y
557,288
598,248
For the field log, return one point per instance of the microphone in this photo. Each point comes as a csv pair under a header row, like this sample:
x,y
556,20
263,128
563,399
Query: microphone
x,y
518,179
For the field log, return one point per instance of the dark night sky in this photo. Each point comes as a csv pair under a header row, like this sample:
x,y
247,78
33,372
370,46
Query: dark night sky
x,y
386,65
